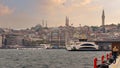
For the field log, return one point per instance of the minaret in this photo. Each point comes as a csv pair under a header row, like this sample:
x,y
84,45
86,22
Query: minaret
x,y
67,21
103,21
46,23
42,23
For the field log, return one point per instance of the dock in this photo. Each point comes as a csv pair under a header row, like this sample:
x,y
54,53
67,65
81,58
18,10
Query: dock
x,y
117,64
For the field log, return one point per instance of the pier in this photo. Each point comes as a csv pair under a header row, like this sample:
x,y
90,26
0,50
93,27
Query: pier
x,y
117,64
107,62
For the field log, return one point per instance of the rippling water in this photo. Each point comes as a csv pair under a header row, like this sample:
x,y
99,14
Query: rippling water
x,y
12,58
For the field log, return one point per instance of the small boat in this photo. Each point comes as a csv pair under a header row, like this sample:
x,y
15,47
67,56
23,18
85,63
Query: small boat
x,y
45,46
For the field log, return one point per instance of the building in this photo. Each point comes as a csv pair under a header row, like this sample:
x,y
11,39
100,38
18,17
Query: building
x,y
57,37
11,40
111,28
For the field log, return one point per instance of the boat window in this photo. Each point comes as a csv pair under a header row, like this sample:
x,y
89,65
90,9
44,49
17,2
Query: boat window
x,y
87,45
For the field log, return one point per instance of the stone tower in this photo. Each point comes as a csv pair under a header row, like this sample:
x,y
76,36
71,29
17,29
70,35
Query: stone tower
x,y
67,21
103,21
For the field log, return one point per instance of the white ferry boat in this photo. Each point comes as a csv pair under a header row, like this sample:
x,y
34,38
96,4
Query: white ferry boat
x,y
82,46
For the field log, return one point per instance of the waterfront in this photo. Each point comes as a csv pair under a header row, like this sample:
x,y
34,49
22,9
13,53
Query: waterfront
x,y
41,58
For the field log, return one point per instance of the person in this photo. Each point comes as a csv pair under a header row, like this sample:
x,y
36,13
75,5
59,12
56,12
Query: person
x,y
103,65
115,53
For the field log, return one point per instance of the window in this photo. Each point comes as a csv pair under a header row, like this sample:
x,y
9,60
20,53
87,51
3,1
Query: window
x,y
87,45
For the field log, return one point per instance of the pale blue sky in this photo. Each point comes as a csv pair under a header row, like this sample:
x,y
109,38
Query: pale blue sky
x,y
20,14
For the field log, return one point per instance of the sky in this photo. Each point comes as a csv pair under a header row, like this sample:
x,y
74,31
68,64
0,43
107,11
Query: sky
x,y
20,14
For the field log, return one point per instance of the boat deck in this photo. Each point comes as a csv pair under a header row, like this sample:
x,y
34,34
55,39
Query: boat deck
x,y
117,64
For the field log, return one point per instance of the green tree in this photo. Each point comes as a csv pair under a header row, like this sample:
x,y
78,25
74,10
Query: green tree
x,y
94,28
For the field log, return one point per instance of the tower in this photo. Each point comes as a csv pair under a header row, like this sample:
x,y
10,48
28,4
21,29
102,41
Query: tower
x,y
103,21
67,21
46,23
42,23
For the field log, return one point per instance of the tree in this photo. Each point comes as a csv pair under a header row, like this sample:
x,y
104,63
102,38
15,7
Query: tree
x,y
118,26
94,28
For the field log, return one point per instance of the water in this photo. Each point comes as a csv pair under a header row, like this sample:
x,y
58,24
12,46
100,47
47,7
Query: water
x,y
12,58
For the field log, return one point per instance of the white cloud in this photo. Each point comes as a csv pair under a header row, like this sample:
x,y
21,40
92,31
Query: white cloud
x,y
5,10
85,2
54,11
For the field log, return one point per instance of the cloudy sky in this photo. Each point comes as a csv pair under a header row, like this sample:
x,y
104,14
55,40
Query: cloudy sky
x,y
19,14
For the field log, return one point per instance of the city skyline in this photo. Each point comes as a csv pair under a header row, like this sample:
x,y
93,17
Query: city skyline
x,y
20,14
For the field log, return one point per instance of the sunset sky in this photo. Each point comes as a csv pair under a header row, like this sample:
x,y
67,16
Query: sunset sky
x,y
19,14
